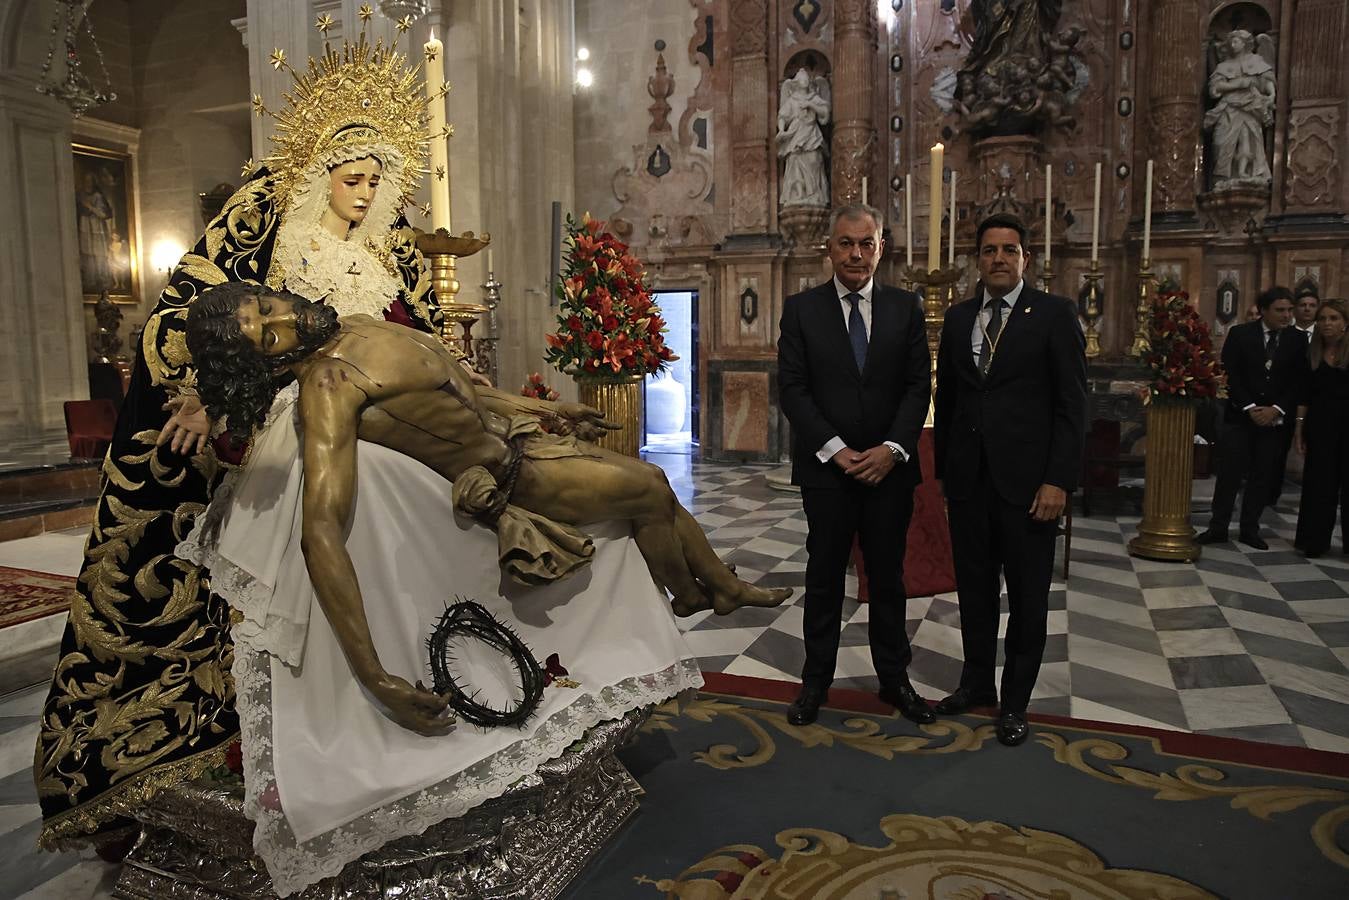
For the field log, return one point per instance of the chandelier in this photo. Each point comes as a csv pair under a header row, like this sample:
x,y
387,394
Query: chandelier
x,y
76,90
397,9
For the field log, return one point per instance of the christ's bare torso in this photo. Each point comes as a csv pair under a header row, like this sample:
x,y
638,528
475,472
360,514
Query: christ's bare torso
x,y
418,398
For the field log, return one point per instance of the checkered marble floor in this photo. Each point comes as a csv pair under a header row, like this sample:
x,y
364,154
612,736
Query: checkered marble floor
x,y
1241,643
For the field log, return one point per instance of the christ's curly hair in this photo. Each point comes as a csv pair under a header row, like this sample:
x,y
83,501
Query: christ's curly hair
x,y
233,378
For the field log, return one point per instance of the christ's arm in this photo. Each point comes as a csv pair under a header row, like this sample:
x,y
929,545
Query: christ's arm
x,y
330,406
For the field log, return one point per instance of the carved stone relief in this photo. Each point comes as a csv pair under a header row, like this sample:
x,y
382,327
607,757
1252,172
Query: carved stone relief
x,y
1313,175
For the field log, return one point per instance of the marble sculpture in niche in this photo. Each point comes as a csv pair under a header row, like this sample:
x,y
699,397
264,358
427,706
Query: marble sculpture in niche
x,y
1242,88
803,111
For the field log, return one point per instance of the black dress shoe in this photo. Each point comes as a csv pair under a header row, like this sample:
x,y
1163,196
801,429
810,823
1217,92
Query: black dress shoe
x,y
1012,729
1252,539
964,699
806,707
911,706
1212,537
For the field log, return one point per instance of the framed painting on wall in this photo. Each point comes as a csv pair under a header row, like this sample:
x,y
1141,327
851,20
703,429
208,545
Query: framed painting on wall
x,y
105,219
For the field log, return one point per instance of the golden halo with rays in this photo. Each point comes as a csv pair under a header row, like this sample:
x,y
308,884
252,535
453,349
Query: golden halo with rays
x,y
357,95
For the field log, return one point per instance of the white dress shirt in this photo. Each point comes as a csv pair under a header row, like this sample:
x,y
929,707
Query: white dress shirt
x,y
1265,331
836,443
985,315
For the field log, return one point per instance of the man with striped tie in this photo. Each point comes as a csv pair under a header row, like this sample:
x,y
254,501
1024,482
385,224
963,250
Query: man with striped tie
x,y
1009,428
854,380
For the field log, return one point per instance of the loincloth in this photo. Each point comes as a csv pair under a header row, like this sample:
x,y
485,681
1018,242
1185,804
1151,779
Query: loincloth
x,y
531,548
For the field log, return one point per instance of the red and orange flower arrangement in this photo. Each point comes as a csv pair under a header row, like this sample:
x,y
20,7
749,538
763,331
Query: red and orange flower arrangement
x,y
1184,367
607,324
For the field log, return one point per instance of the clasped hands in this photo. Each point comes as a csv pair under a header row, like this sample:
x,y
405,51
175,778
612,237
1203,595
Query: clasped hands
x,y
1264,416
867,466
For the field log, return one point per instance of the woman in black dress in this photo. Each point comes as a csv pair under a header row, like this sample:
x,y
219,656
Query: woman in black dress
x,y
1322,433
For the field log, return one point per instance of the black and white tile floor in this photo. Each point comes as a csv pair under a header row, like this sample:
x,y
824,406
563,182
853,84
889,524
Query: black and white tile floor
x,y
1243,644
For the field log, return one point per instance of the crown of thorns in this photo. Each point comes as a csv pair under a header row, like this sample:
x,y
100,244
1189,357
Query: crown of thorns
x,y
467,619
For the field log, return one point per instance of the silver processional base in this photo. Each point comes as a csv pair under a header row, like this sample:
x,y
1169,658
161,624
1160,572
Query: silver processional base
x,y
196,843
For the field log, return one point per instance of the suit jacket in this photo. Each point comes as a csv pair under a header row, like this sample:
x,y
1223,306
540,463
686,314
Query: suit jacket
x,y
1248,381
823,394
1028,416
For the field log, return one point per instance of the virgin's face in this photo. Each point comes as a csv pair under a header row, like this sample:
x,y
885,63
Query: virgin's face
x,y
353,188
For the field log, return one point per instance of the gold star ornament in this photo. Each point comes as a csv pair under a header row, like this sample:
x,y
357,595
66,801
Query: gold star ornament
x,y
278,58
366,12
404,24
324,23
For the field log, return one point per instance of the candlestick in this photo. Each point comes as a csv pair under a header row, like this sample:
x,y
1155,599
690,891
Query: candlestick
x,y
1143,313
864,190
951,248
1096,218
1049,207
1147,217
908,220
1089,301
934,209
440,154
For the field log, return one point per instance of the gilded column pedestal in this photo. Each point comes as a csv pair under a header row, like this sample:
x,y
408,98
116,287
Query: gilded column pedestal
x,y
1165,532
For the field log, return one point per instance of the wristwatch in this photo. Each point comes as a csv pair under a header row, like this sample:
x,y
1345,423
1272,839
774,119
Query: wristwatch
x,y
895,452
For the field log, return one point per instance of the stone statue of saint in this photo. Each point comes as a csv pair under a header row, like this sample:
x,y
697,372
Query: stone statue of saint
x,y
803,111
1242,84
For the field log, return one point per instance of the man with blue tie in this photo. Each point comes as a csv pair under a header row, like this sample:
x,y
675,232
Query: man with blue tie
x,y
854,378
1009,426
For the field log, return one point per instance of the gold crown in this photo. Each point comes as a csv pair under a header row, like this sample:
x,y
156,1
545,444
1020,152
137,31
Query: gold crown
x,y
355,97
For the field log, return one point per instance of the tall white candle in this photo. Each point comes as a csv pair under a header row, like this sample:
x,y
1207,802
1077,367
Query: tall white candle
x,y
908,219
864,190
440,155
934,209
1049,207
490,269
1096,217
951,245
1147,214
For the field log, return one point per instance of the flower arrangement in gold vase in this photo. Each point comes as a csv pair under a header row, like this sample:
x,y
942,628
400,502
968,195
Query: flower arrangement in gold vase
x,y
607,324
1183,365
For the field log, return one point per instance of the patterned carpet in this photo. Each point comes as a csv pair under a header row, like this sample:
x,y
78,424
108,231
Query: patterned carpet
x,y
863,804
26,595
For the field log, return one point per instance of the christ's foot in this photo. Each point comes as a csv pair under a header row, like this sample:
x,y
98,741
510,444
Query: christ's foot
x,y
749,595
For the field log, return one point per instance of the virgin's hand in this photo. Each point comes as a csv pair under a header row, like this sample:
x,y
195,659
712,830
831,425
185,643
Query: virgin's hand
x,y
187,429
413,706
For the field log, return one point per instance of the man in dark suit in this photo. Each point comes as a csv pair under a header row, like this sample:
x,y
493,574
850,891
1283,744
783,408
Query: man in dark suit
x,y
1263,360
1010,425
854,375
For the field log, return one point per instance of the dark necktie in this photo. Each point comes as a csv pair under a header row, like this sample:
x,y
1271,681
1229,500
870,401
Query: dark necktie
x,y
1272,344
990,334
857,331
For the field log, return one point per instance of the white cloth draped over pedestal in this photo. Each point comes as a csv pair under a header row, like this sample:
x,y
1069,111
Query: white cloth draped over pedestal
x,y
327,776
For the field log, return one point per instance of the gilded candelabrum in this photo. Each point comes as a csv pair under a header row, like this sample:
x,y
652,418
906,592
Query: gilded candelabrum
x,y
1143,314
443,251
1089,304
1047,276
937,286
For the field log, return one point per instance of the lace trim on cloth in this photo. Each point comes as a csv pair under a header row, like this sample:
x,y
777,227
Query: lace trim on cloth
x,y
249,597
293,865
